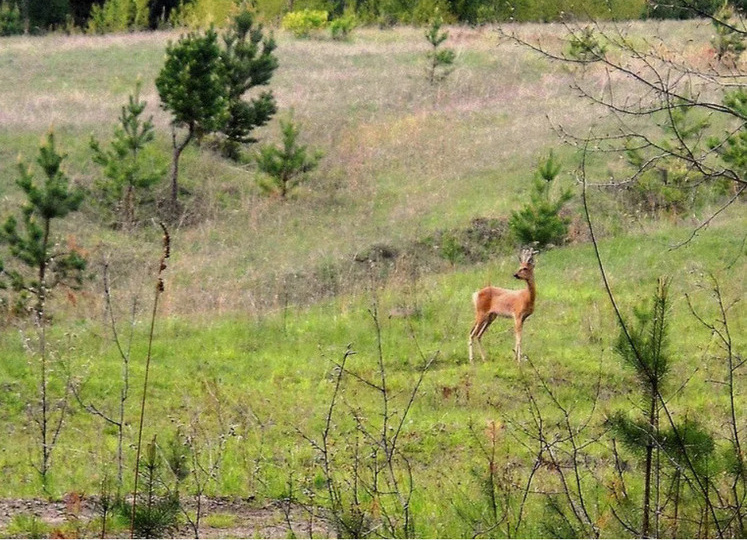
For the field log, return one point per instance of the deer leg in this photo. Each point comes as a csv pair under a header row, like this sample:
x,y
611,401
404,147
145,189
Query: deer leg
x,y
472,333
482,351
479,329
518,323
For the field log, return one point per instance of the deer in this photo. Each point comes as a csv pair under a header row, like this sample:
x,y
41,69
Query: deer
x,y
491,302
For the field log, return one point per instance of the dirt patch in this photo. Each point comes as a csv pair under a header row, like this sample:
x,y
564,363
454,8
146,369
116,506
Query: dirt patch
x,y
74,516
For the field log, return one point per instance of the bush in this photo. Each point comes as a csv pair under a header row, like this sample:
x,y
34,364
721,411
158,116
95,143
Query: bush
x,y
302,23
203,13
10,20
341,27
479,242
119,16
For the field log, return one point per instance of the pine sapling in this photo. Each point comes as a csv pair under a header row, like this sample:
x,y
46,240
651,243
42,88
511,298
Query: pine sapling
x,y
285,168
440,60
728,43
539,221
126,164
37,267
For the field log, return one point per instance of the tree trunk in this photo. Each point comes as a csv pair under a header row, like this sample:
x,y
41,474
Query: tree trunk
x,y
177,152
646,519
40,306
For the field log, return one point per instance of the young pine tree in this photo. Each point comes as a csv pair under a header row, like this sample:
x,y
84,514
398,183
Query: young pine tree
x,y
645,348
128,167
38,266
728,43
246,65
440,60
156,513
584,46
192,89
540,221
285,168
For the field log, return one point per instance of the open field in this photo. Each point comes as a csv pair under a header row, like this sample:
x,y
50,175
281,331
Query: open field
x,y
264,296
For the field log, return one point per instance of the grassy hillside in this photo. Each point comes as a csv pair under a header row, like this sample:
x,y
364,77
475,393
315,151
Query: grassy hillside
x,y
402,159
263,296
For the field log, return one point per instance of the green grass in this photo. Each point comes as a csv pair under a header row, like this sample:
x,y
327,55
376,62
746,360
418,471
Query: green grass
x,y
27,526
220,521
402,160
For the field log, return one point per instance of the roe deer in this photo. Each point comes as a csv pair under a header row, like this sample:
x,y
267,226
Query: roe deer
x,y
492,302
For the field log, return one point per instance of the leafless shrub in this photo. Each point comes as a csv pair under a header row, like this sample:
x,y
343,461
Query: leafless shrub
x,y
368,477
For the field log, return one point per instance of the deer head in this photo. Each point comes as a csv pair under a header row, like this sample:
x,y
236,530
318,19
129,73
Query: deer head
x,y
526,264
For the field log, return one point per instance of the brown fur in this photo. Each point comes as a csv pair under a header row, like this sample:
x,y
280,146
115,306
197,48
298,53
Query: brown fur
x,y
493,302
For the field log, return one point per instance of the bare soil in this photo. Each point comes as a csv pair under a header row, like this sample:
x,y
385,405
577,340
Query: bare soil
x,y
75,516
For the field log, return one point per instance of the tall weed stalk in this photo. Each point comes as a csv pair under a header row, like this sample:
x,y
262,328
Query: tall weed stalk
x,y
158,291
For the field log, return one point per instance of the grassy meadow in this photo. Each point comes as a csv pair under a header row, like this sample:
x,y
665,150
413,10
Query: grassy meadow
x,y
263,296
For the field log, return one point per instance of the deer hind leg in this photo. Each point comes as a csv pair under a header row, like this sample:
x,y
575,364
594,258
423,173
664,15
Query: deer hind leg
x,y
479,328
472,334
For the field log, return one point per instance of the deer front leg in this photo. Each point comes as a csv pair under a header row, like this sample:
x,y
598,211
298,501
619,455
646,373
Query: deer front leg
x,y
518,323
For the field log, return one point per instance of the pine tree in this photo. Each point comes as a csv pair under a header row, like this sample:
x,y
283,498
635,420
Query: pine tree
x,y
645,347
246,65
440,60
203,86
285,167
192,89
126,165
41,267
38,267
540,221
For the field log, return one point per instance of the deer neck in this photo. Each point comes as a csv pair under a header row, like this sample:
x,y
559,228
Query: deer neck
x,y
532,290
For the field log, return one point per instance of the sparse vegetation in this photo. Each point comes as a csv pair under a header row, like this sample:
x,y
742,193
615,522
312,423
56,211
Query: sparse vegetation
x,y
27,526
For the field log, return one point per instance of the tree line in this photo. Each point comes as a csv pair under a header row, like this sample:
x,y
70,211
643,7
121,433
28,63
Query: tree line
x,y
37,16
